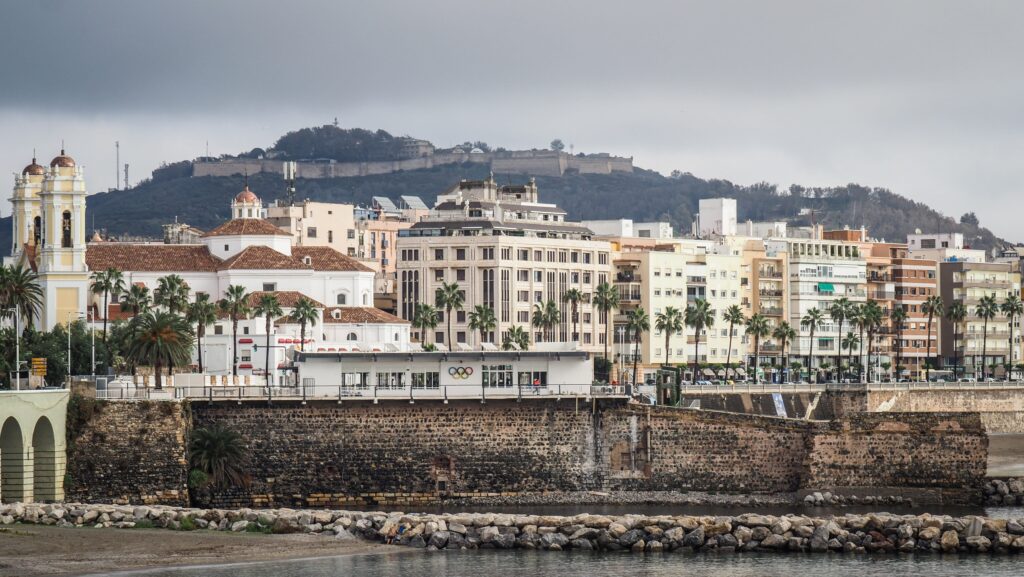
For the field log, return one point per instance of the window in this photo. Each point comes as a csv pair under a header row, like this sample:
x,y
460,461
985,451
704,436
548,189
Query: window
x,y
392,380
586,278
539,378
438,337
523,316
439,274
351,234
488,253
460,337
523,254
342,299
245,355
330,236
460,317
602,258
497,376
218,330
311,232
352,337
460,274
538,276
245,330
460,254
523,275
226,248
65,239
438,254
426,380
538,255
523,296
269,286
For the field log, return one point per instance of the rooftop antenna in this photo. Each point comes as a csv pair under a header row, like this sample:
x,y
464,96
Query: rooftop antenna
x,y
117,166
289,182
126,185
207,148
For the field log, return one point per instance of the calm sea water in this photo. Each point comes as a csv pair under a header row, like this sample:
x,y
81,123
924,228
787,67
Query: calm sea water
x,y
569,564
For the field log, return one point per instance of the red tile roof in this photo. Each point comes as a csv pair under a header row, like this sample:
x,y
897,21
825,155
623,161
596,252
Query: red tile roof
x,y
287,299
150,257
247,226
260,257
364,315
326,258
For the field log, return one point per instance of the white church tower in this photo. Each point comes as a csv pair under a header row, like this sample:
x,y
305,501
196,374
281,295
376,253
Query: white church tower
x,y
26,222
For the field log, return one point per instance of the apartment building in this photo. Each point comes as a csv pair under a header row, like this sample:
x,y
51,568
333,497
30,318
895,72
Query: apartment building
x,y
968,282
764,289
942,247
508,251
317,224
915,280
819,272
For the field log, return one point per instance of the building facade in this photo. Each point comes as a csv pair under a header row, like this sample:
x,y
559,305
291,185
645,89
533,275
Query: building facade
x,y
970,345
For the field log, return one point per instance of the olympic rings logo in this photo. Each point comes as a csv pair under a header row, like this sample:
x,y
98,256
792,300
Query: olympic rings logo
x,y
461,373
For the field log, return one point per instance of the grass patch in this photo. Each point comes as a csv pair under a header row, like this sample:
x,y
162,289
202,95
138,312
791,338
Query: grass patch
x,y
15,532
187,524
144,524
257,528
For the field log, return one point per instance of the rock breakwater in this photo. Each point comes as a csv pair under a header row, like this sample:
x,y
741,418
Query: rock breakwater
x,y
872,533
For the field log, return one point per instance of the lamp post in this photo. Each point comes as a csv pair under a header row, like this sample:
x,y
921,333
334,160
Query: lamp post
x,y
17,347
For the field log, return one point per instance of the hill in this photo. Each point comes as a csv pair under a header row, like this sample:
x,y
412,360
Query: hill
x,y
642,195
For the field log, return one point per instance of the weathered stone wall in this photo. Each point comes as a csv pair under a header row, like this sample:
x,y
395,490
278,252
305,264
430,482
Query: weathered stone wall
x,y
325,454
122,452
1002,410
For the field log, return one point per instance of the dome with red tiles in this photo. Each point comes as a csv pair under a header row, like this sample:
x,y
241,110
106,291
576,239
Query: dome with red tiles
x,y
33,169
63,161
247,197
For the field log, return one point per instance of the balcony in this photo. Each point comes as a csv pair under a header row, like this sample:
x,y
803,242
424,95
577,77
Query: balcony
x,y
875,277
627,276
771,311
771,293
882,295
697,279
770,274
629,293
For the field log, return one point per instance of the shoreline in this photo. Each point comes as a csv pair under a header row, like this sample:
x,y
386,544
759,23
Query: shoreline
x,y
223,533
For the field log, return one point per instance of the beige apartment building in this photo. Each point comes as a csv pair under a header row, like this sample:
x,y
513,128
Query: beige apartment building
x,y
317,224
967,282
508,251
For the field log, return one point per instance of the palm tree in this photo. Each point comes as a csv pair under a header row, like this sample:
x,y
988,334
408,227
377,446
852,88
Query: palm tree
x,y
839,311
450,297
162,339
482,319
268,307
813,319
424,319
956,314
606,298
898,316
856,318
516,336
20,290
699,316
850,342
671,322
574,297
987,309
933,308
871,317
784,333
757,326
734,316
236,305
545,317
136,300
638,322
220,454
306,314
1012,307
201,313
172,293
109,283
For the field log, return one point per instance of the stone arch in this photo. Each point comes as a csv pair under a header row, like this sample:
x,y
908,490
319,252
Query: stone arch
x,y
44,452
12,462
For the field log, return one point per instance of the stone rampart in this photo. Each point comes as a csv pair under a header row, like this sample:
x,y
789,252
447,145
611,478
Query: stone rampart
x,y
328,454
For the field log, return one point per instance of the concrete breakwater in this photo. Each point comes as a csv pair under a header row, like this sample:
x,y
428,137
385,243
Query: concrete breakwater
x,y
881,533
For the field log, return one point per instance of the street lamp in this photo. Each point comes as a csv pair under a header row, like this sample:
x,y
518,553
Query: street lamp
x,y
17,347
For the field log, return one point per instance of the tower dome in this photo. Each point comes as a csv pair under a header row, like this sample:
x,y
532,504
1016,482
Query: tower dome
x,y
33,169
246,197
63,161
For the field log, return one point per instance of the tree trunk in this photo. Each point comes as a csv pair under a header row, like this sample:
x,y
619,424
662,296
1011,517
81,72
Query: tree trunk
x,y
156,371
696,352
1009,362
199,345
984,348
668,335
757,356
302,335
448,318
810,355
728,353
607,376
106,295
575,317
862,373
234,345
839,353
636,355
266,364
928,354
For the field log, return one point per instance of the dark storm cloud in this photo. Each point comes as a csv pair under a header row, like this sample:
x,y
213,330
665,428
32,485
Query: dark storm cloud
x,y
918,96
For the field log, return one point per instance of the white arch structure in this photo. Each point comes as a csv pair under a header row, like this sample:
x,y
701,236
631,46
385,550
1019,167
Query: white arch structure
x,y
33,452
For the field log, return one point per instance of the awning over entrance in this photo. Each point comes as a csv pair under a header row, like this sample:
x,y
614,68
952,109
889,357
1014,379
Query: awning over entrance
x,y
826,287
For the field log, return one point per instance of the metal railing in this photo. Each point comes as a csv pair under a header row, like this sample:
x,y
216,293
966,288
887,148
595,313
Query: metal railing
x,y
857,387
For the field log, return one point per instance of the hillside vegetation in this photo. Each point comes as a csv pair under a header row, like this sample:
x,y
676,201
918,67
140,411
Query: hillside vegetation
x,y
642,195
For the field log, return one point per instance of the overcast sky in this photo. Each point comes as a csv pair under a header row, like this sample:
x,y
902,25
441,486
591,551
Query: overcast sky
x,y
922,97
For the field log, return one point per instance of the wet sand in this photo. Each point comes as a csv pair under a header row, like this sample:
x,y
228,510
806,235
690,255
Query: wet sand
x,y
36,550
1005,455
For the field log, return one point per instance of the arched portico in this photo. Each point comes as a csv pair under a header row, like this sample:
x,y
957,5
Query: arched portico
x,y
12,462
32,445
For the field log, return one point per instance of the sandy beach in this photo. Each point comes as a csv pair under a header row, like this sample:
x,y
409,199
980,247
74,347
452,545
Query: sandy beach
x,y
36,550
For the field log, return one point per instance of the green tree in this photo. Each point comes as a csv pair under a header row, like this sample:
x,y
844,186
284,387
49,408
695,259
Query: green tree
x,y
850,341
269,308
162,339
482,319
136,300
221,455
734,316
956,314
757,327
785,333
20,290
933,307
171,293
557,145
987,309
1013,308
669,322
606,299
235,304
202,313
574,297
546,317
424,319
450,297
898,316
871,317
516,338
110,284
699,316
306,314
637,323
839,312
812,320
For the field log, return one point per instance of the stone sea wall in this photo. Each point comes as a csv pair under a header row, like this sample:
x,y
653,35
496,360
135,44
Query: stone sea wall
x,y
872,533
325,454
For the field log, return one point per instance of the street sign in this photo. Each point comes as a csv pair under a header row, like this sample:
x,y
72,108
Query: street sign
x,y
39,366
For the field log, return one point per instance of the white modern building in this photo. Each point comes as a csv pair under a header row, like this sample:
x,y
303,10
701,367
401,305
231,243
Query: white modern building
x,y
717,217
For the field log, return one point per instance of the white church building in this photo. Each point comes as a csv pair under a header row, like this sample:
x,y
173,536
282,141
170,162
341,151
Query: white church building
x,y
49,237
